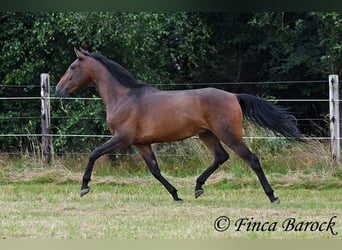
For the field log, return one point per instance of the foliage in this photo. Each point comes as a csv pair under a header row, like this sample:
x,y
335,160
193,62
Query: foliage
x,y
155,47
330,32
161,48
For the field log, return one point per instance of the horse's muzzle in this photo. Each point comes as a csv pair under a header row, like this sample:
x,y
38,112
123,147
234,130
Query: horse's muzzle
x,y
60,91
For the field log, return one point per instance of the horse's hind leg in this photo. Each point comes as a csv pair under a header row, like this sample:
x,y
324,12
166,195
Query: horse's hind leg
x,y
220,156
242,150
151,161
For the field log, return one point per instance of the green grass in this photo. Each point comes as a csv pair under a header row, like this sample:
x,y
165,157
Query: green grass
x,y
144,210
126,202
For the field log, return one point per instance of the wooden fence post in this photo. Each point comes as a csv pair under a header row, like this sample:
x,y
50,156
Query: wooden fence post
x,y
45,99
334,118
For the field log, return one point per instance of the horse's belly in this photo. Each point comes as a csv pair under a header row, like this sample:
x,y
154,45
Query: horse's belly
x,y
168,129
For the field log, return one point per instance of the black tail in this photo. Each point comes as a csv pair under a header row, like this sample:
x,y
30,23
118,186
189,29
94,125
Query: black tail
x,y
269,116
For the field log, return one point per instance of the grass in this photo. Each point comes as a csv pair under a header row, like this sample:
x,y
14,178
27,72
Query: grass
x,y
126,202
44,203
144,210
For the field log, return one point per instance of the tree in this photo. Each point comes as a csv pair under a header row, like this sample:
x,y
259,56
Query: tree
x,y
330,33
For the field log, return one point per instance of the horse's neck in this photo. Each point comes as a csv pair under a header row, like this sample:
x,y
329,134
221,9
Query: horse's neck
x,y
110,90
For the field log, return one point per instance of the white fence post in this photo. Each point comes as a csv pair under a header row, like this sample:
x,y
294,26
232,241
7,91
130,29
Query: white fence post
x,y
45,99
334,118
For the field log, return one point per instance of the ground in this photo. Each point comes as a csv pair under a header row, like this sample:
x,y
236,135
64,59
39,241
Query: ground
x,y
140,208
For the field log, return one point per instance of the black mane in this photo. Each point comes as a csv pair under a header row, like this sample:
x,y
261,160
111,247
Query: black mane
x,y
120,73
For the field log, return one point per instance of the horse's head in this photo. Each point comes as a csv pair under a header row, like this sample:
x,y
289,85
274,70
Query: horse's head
x,y
75,77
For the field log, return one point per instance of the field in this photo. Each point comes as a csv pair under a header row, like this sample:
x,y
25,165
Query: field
x,y
143,210
44,203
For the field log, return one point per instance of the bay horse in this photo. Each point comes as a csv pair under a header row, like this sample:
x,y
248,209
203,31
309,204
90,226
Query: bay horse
x,y
140,115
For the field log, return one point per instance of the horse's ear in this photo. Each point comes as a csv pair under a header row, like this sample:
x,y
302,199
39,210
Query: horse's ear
x,y
79,53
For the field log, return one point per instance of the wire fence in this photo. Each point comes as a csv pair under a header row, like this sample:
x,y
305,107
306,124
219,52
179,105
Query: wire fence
x,y
96,99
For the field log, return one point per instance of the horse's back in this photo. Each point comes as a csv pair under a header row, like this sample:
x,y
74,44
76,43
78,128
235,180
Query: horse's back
x,y
217,96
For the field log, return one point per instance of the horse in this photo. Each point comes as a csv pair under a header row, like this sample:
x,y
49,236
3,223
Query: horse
x,y
138,114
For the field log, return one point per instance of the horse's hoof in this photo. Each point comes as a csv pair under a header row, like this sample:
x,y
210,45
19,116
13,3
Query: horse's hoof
x,y
276,200
198,193
178,200
84,191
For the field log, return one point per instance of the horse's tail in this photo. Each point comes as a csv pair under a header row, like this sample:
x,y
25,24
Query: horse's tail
x,y
269,116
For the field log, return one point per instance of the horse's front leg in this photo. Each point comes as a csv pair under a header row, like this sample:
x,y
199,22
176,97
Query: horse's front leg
x,y
109,146
151,161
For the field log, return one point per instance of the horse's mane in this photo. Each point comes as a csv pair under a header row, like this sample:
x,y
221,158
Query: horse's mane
x,y
120,73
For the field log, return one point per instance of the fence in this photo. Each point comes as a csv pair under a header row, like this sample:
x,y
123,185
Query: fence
x,y
47,136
